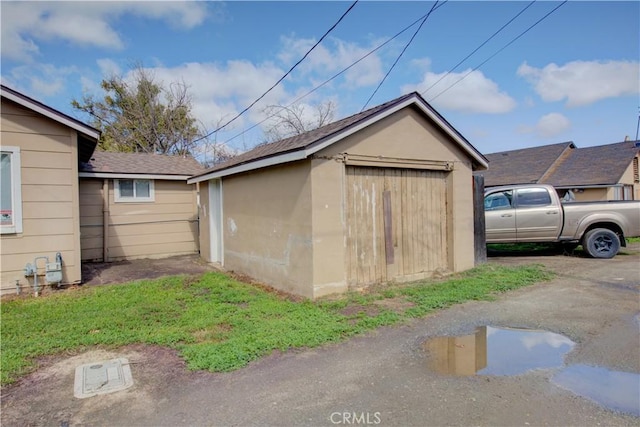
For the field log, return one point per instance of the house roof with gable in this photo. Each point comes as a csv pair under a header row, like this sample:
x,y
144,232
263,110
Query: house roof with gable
x,y
105,164
600,165
523,166
87,136
561,165
302,146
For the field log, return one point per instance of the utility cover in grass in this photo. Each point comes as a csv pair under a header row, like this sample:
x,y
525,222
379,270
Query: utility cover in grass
x,y
102,377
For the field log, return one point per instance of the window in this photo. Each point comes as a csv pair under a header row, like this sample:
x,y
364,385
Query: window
x,y
10,191
498,201
531,197
636,172
134,190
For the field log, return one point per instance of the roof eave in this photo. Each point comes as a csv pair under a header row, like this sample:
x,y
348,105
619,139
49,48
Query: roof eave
x,y
121,175
304,152
51,113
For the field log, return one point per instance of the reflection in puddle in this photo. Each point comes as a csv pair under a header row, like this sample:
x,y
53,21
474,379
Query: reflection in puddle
x,y
614,389
497,351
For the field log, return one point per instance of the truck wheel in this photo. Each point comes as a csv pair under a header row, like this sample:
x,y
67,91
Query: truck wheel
x,y
601,243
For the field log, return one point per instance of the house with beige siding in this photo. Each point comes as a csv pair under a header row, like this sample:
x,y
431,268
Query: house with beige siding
x,y
137,205
383,195
40,212
603,172
62,202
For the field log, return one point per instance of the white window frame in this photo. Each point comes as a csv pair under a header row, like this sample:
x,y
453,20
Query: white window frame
x,y
120,199
16,191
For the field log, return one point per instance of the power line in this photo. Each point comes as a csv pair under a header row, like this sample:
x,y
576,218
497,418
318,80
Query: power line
x,y
401,53
371,52
501,49
478,48
283,77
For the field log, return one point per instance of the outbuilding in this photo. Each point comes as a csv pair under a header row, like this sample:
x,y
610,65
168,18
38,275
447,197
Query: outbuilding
x,y
383,195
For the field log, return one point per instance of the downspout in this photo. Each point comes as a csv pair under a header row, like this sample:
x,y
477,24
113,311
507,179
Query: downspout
x,y
105,220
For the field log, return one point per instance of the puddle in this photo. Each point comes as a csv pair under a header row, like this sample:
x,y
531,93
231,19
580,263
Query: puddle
x,y
497,351
616,390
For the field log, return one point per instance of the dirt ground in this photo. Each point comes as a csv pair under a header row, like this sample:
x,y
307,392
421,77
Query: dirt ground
x,y
377,379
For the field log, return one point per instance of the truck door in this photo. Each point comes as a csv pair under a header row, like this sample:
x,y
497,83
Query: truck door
x,y
538,217
500,216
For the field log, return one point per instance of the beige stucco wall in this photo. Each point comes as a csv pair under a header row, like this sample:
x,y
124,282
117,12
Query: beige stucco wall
x,y
162,228
267,226
50,210
405,134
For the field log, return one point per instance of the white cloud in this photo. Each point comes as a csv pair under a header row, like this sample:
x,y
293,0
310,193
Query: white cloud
x,y
108,67
24,24
549,125
332,56
552,124
39,80
474,94
583,82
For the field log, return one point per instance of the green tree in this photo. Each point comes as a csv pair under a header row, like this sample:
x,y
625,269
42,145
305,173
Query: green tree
x,y
137,114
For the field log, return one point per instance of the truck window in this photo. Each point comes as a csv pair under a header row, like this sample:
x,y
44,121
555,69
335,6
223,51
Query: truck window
x,y
532,197
499,200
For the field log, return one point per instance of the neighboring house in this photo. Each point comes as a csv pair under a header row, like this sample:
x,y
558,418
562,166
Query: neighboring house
x,y
52,197
383,195
41,149
137,205
605,172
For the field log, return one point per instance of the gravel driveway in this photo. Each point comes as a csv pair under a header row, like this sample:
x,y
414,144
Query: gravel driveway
x,y
383,378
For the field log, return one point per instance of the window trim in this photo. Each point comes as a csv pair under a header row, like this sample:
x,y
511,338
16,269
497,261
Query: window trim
x,y
16,190
120,199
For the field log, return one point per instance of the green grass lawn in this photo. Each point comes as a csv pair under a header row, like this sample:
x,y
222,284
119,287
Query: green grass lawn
x,y
220,324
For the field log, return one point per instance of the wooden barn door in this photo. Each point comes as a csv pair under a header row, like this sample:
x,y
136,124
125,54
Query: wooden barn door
x,y
396,223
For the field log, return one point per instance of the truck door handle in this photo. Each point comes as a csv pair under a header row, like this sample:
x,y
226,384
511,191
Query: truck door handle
x,y
552,212
506,215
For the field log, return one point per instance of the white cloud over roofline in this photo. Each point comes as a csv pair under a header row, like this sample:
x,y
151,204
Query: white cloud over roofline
x,y
582,83
467,91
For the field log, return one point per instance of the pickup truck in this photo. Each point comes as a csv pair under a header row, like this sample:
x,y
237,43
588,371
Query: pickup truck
x,y
535,213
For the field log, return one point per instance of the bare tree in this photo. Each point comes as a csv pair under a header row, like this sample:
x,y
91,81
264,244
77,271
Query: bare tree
x,y
296,119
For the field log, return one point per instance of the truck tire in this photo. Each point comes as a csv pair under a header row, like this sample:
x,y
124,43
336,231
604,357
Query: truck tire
x,y
601,243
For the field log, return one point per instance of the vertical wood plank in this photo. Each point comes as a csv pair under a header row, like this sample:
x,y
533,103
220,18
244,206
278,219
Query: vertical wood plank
x,y
388,227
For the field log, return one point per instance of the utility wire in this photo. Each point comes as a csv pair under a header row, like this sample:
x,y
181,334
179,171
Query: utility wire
x,y
283,77
478,48
501,49
401,53
371,52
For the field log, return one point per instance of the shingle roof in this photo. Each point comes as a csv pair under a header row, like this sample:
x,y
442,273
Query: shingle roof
x,y
141,163
523,166
599,165
317,136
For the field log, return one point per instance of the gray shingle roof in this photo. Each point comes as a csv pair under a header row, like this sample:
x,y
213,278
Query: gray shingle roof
x,y
317,136
599,165
141,163
523,166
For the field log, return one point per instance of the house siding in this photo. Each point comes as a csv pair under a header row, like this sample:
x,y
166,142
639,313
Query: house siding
x,y
49,172
166,227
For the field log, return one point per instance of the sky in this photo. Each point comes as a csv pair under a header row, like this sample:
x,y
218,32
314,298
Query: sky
x,y
575,76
